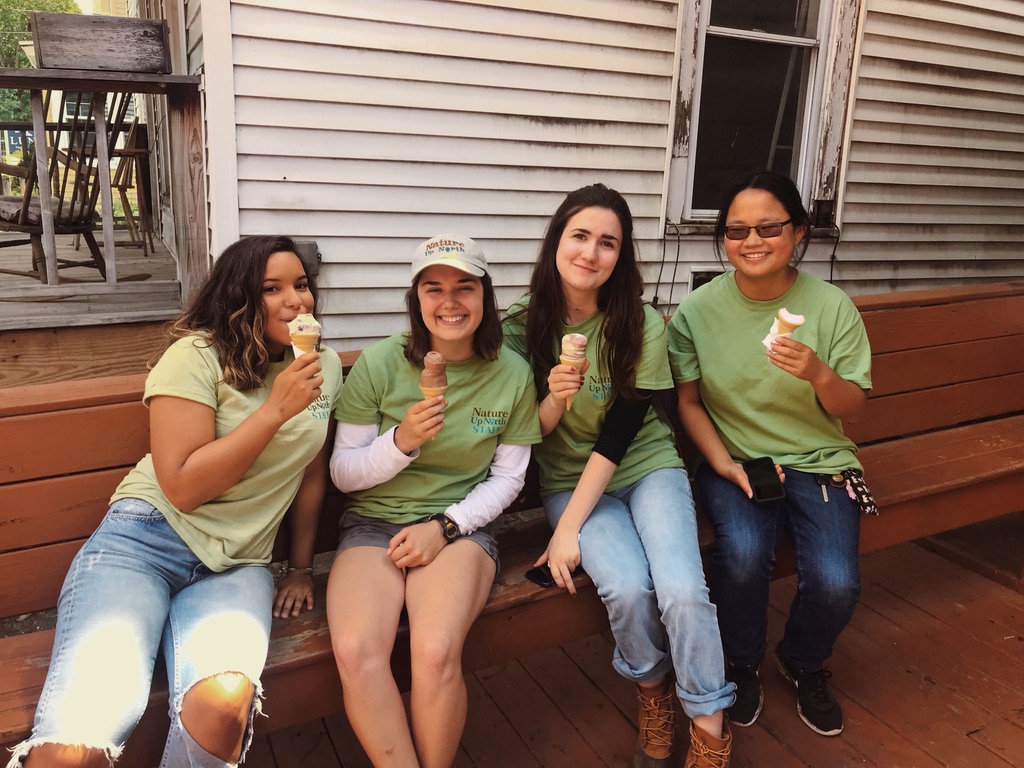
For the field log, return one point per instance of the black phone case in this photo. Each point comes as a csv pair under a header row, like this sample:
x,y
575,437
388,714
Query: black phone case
x,y
765,487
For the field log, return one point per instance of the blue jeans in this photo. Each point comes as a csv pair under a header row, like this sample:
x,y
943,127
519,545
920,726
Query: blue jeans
x,y
825,538
133,589
639,546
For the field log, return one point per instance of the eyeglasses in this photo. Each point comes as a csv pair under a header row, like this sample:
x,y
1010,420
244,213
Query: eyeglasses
x,y
771,229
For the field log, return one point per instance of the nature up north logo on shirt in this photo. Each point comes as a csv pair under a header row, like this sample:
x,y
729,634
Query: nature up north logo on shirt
x,y
486,422
599,387
320,408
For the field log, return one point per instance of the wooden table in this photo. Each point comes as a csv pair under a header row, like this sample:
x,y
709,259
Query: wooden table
x,y
99,83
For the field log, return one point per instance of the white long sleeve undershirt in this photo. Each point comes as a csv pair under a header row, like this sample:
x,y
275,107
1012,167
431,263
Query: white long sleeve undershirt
x,y
362,459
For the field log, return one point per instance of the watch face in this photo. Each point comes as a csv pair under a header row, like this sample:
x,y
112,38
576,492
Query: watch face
x,y
451,529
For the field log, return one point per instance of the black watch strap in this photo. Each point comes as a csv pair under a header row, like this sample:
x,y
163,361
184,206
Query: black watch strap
x,y
449,527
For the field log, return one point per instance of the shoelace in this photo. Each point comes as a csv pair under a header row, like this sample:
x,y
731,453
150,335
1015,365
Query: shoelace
x,y
816,688
657,726
713,758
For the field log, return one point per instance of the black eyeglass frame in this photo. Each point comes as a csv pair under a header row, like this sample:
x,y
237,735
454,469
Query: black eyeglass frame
x,y
758,228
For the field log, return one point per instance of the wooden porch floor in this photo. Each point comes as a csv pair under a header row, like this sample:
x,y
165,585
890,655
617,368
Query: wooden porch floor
x,y
929,673
150,289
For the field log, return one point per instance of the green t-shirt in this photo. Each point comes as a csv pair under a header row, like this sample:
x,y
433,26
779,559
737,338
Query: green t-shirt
x,y
488,403
565,451
758,409
238,527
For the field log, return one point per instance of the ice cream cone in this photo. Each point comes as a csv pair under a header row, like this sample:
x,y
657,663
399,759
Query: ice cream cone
x,y
305,342
564,360
788,322
304,331
434,376
574,352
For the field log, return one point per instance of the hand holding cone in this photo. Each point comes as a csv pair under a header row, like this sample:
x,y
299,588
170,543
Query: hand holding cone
x,y
574,352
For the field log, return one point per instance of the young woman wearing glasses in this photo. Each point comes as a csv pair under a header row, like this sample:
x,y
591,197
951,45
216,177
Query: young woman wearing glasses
x,y
745,392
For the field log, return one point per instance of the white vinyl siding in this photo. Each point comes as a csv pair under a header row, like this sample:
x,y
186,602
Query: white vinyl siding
x,y
934,183
369,126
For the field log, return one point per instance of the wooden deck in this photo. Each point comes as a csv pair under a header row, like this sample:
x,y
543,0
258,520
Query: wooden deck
x,y
930,673
150,289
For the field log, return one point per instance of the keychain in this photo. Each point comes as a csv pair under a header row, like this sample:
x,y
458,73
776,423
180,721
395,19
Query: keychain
x,y
858,491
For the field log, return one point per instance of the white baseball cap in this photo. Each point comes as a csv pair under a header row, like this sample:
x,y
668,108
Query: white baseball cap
x,y
454,250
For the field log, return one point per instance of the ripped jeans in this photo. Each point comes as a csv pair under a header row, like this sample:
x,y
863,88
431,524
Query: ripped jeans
x,y
134,589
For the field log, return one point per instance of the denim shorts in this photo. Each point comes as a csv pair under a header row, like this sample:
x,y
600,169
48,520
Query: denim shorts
x,y
361,531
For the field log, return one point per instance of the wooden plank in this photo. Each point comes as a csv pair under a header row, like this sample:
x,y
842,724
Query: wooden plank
x,y
914,518
906,371
960,601
582,703
74,41
83,439
94,80
42,355
991,548
489,738
47,565
48,397
935,325
188,188
546,731
306,744
55,509
938,462
346,743
909,413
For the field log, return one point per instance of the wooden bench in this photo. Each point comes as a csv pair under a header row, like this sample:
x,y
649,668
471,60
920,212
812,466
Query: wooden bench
x,y
942,444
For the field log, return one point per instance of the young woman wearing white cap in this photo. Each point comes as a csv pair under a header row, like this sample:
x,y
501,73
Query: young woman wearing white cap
x,y
424,477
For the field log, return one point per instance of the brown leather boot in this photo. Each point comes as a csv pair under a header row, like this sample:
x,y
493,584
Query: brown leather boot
x,y
708,752
657,730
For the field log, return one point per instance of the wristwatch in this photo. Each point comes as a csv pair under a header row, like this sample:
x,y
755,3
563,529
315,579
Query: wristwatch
x,y
449,527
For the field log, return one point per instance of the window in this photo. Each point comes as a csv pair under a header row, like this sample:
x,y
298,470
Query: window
x,y
757,84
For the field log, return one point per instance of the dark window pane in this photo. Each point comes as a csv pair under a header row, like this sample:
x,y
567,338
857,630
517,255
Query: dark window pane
x,y
798,18
747,89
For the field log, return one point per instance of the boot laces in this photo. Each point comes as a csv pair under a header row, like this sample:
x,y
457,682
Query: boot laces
x,y
657,721
703,756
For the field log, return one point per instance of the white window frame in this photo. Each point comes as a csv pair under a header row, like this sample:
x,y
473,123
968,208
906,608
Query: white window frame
x,y
823,51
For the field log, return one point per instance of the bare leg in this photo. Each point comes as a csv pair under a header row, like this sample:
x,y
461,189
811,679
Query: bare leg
x,y
710,723
443,599
365,594
65,756
215,712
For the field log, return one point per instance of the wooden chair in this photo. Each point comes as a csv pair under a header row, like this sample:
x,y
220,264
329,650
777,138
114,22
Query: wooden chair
x,y
73,180
127,175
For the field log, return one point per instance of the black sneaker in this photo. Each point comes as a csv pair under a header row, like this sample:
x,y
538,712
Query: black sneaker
x,y
749,696
815,704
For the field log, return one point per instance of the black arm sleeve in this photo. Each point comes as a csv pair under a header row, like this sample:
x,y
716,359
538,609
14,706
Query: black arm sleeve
x,y
624,420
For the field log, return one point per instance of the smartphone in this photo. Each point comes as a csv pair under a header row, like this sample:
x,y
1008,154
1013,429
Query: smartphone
x,y
541,575
764,480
